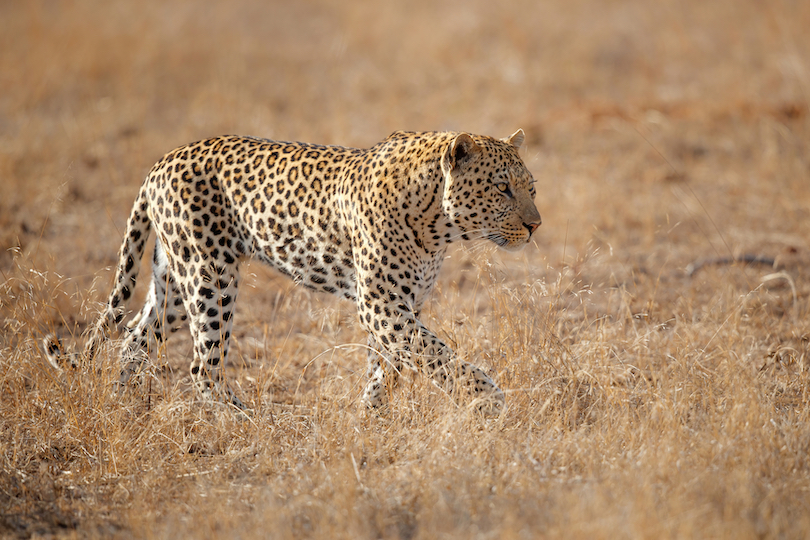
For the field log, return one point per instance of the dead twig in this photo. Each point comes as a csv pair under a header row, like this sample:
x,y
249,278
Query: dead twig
x,y
747,258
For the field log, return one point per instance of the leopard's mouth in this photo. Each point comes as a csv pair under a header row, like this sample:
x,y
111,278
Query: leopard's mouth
x,y
508,244
497,239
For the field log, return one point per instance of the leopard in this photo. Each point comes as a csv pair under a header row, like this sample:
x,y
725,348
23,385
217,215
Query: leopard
x,y
370,225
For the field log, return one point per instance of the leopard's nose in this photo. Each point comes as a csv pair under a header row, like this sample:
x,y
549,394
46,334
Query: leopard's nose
x,y
532,226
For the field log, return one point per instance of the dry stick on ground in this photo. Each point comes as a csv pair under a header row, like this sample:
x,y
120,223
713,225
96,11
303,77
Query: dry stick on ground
x,y
694,267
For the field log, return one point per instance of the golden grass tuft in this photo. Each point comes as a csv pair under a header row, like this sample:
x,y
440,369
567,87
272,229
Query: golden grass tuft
x,y
643,401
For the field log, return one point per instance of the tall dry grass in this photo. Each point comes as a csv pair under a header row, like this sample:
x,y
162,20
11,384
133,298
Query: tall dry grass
x,y
642,401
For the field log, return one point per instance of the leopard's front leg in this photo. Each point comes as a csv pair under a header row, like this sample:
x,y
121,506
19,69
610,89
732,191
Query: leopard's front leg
x,y
396,328
383,374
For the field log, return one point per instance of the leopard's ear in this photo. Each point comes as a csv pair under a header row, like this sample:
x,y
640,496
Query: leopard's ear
x,y
462,150
515,139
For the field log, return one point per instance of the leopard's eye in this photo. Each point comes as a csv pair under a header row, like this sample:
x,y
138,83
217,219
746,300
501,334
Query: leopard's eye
x,y
503,187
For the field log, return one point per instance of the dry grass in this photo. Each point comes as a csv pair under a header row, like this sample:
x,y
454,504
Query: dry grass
x,y
643,403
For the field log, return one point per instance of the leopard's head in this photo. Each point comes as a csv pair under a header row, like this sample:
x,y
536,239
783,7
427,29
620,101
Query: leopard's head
x,y
488,191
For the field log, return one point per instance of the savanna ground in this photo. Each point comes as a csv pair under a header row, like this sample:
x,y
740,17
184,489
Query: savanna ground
x,y
644,401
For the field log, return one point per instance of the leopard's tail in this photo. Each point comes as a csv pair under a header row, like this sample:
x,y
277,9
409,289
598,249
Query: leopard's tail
x,y
129,263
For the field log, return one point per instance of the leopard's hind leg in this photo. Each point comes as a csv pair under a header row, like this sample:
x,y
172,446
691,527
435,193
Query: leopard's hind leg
x,y
161,315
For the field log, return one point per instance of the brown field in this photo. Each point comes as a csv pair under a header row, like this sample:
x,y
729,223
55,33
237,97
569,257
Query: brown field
x,y
643,401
